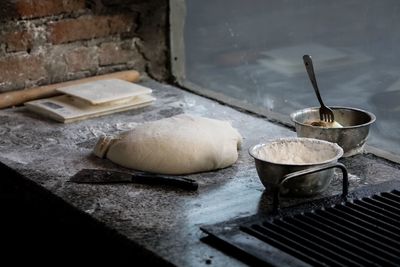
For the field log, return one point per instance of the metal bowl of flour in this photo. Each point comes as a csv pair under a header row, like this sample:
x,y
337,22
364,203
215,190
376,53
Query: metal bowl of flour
x,y
296,167
351,137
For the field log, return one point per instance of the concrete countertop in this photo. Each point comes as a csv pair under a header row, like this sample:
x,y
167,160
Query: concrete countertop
x,y
160,220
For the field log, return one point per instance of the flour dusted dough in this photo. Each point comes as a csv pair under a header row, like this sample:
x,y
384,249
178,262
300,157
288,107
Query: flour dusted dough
x,y
178,145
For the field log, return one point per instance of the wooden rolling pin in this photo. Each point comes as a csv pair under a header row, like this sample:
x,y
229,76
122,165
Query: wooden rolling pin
x,y
14,98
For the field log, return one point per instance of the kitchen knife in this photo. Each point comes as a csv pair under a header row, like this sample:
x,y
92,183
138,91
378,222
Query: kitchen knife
x,y
98,176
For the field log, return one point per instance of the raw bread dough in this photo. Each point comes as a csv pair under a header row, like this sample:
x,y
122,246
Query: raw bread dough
x,y
178,145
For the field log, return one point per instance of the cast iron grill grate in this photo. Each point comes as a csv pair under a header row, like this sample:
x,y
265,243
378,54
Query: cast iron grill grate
x,y
362,232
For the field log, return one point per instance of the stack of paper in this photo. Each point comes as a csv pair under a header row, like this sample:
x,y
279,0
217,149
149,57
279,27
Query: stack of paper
x,y
92,99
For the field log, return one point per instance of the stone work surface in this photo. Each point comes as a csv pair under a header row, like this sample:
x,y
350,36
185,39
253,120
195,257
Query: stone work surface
x,y
163,220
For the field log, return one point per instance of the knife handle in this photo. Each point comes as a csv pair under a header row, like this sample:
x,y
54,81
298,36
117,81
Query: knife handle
x,y
149,178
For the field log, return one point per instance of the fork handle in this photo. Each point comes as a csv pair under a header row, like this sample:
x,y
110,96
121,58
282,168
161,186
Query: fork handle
x,y
311,74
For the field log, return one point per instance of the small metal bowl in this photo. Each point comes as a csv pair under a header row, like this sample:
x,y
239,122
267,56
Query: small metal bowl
x,y
301,174
351,137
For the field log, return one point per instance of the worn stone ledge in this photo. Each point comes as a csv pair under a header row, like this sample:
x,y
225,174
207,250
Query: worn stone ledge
x,y
157,221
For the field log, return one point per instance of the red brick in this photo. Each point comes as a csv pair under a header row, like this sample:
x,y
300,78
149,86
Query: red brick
x,y
80,59
43,8
89,27
7,10
18,41
20,69
114,53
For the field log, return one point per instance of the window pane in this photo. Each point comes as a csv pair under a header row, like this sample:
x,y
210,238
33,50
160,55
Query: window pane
x,y
252,50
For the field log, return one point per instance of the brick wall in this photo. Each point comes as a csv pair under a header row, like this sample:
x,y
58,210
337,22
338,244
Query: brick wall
x,y
48,41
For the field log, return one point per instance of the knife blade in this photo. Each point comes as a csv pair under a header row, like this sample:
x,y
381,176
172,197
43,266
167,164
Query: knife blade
x,y
99,176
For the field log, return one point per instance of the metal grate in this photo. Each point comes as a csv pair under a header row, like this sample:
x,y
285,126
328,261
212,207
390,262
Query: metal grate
x,y
363,232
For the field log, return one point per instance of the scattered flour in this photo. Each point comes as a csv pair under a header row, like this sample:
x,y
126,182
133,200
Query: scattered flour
x,y
298,151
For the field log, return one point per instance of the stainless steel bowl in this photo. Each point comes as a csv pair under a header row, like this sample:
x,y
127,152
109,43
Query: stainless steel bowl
x,y
292,179
351,137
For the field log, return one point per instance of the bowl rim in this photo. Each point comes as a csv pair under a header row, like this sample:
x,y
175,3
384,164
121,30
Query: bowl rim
x,y
370,114
335,146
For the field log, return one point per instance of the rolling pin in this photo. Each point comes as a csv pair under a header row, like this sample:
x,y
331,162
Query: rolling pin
x,y
14,98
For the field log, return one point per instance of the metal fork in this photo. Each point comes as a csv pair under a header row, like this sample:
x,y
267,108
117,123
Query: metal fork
x,y
325,113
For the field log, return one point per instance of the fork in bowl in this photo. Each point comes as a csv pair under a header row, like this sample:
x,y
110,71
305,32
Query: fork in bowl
x,y
325,113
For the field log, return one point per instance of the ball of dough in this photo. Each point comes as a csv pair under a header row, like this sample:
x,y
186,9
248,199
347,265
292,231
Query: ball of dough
x,y
181,144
